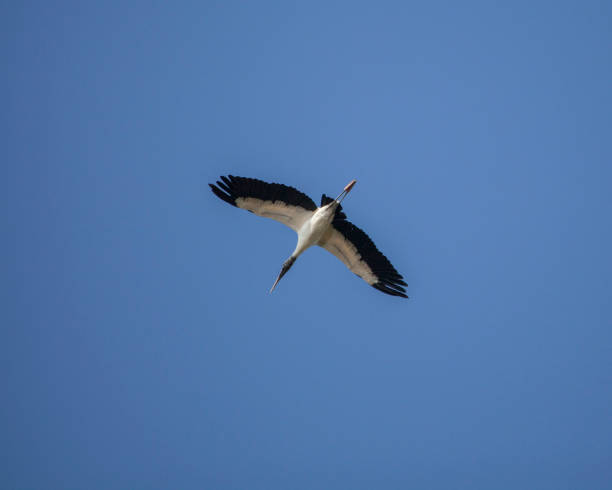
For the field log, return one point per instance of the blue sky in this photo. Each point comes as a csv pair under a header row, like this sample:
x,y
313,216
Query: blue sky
x,y
140,347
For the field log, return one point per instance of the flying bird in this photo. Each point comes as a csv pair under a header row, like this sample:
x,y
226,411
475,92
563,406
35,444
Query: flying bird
x,y
325,226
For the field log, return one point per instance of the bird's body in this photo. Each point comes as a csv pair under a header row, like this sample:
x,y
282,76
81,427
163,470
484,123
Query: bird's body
x,y
314,229
325,226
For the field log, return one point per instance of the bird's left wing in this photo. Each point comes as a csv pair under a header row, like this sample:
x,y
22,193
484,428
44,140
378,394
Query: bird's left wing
x,y
277,201
358,252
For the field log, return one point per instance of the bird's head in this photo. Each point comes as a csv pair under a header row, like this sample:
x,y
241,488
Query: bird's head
x,y
286,266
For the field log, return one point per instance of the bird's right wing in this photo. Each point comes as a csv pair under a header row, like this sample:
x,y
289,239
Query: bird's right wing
x,y
277,201
358,252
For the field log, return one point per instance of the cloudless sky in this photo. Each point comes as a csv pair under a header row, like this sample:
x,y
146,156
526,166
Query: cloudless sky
x,y
139,345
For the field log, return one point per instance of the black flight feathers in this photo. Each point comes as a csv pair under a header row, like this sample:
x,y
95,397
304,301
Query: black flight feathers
x,y
389,280
231,188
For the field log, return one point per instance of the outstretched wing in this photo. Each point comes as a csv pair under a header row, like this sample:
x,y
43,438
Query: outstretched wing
x,y
358,252
277,201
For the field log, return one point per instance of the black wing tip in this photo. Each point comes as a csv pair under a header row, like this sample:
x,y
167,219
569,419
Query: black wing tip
x,y
391,290
223,195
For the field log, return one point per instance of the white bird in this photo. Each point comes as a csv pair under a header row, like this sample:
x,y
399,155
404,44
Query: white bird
x,y
325,226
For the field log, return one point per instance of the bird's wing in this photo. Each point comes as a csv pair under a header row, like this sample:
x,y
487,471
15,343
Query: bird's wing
x,y
358,252
277,201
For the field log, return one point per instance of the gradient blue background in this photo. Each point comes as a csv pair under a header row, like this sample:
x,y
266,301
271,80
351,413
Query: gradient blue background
x,y
139,345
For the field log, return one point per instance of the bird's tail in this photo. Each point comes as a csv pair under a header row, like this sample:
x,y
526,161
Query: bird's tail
x,y
339,213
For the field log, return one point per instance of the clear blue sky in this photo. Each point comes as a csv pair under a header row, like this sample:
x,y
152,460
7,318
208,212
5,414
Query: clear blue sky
x,y
139,345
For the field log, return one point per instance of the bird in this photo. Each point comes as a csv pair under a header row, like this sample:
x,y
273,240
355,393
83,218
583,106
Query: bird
x,y
325,225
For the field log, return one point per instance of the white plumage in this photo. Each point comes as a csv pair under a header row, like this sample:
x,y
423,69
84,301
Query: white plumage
x,y
325,226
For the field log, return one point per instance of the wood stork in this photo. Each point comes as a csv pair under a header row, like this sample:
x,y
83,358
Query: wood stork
x,y
325,226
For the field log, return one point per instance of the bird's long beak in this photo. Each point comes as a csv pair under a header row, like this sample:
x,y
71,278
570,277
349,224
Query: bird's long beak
x,y
286,266
346,190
